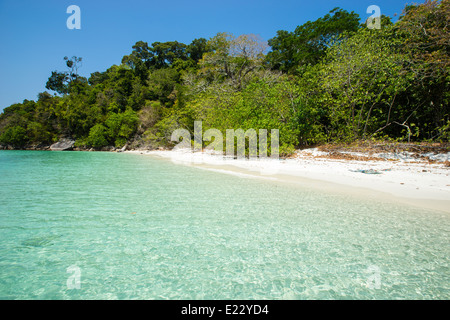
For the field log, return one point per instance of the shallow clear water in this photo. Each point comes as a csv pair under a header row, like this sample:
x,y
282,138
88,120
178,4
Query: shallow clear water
x,y
142,228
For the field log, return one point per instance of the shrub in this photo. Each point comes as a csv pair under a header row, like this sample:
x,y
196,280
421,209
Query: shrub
x,y
15,136
97,137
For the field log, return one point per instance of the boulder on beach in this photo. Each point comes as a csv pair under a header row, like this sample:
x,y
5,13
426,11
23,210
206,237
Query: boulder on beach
x,y
63,145
123,148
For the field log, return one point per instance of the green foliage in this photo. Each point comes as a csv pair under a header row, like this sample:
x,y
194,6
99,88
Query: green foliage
x,y
58,82
97,137
160,134
328,80
361,76
425,34
121,126
61,81
197,49
38,133
259,106
162,83
232,60
15,136
306,45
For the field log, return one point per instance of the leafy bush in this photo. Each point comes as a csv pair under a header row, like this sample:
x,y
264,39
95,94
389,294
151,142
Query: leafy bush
x,y
97,137
15,136
121,126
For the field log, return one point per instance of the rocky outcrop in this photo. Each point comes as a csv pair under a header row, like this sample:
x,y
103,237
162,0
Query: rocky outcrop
x,y
123,148
63,145
108,148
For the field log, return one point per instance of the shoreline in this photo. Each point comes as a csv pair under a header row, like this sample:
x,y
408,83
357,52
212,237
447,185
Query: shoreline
x,y
411,181
415,183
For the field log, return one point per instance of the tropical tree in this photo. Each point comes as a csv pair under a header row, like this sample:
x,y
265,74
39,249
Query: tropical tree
x,y
359,80
425,32
293,51
60,81
233,59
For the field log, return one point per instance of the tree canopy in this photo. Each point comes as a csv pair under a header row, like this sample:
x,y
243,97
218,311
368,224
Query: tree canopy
x,y
332,79
307,44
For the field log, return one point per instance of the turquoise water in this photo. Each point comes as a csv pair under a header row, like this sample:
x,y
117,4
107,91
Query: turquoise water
x,y
135,227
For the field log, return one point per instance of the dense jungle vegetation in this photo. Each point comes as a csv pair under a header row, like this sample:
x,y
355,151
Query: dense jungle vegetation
x,y
333,79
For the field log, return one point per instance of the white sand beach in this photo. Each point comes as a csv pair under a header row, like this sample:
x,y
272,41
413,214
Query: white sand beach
x,y
397,177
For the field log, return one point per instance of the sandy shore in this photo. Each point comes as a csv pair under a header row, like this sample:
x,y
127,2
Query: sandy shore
x,y
417,183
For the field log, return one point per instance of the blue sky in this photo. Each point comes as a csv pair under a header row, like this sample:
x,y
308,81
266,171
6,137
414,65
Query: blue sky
x,y
34,37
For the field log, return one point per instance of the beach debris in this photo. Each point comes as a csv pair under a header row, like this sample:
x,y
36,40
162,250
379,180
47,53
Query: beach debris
x,y
368,171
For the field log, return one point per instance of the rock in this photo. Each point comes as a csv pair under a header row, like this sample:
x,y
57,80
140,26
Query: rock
x,y
123,148
107,148
63,145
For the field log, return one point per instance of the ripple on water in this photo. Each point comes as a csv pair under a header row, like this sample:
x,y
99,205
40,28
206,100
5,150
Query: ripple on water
x,y
142,228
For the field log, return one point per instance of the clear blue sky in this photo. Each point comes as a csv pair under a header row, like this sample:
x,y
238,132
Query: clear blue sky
x,y
34,37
